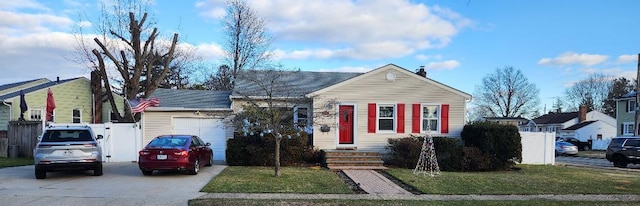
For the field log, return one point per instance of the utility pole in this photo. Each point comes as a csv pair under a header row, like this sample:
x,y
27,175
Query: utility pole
x,y
635,119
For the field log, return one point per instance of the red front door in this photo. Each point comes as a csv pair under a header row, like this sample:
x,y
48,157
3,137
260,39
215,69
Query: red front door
x,y
345,120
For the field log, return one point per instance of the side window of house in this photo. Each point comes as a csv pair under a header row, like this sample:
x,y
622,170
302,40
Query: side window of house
x,y
35,114
430,115
76,116
627,128
631,106
386,117
300,116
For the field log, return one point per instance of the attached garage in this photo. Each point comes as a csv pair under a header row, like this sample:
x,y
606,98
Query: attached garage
x,y
206,114
208,129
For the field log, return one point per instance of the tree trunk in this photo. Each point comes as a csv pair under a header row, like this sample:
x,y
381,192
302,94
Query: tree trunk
x,y
277,157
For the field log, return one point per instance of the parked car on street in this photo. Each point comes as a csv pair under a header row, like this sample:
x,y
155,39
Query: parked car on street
x,y
584,146
565,148
624,150
65,148
175,152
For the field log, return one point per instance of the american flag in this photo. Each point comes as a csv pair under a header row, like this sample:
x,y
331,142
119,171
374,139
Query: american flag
x,y
138,106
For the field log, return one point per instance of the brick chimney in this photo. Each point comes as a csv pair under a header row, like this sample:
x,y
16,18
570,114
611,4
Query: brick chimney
x,y
582,114
422,72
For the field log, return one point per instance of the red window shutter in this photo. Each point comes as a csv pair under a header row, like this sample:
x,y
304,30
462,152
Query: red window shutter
x,y
444,117
415,119
372,118
400,118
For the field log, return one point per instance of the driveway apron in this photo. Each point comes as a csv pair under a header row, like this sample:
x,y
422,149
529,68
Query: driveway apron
x,y
121,184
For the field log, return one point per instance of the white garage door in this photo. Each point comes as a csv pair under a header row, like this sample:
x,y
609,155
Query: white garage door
x,y
209,130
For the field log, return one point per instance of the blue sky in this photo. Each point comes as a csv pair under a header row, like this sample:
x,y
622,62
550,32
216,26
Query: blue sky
x,y
554,42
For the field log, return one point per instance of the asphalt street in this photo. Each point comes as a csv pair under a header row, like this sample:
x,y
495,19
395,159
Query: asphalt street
x,y
593,162
121,184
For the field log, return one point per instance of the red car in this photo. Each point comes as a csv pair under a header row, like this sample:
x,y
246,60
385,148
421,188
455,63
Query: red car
x,y
175,152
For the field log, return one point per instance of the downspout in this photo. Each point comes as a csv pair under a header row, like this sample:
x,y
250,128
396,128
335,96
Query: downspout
x,y
8,105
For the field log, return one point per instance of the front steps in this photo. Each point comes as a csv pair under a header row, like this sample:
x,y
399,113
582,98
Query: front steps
x,y
353,160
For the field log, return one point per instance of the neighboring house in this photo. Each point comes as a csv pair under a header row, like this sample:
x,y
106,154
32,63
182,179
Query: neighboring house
x,y
515,121
73,98
585,126
625,114
387,102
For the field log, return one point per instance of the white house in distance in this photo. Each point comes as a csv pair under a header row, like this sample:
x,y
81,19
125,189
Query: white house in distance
x,y
593,126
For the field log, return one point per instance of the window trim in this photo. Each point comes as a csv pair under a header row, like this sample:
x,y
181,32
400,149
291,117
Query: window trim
x,y
438,118
631,106
73,117
394,118
625,126
296,118
31,113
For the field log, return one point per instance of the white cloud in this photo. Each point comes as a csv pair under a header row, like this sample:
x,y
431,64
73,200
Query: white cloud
x,y
210,51
423,57
569,58
624,59
449,64
354,29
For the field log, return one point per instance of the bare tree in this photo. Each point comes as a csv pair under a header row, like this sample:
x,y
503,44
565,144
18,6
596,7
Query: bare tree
x,y
129,53
506,93
247,42
221,80
591,92
269,107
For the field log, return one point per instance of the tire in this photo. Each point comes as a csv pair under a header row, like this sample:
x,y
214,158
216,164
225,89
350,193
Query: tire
x,y
40,174
210,163
146,172
196,168
97,171
621,162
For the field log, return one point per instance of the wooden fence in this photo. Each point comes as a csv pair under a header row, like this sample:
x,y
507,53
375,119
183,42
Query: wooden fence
x,y
24,135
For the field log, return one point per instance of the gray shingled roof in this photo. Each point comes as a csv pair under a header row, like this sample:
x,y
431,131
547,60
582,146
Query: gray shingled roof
x,y
578,126
287,83
11,85
193,98
555,118
35,88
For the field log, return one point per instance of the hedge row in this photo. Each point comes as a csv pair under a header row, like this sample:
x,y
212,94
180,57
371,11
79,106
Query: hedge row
x,y
254,150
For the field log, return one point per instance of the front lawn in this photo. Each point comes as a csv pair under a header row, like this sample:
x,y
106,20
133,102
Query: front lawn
x,y
531,179
301,180
12,162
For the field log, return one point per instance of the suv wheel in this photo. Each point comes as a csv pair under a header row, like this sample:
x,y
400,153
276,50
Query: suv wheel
x,y
97,171
41,174
620,161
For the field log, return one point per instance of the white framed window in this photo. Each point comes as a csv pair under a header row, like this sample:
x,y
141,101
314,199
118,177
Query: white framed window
x,y
76,116
430,118
35,114
301,116
386,117
627,128
631,105
551,129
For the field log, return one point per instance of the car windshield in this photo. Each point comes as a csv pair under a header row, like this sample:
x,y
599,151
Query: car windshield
x,y
66,136
169,141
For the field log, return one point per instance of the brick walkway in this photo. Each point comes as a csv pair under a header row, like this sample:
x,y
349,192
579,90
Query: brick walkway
x,y
374,183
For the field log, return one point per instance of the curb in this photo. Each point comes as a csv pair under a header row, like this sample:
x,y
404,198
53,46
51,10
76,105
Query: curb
x,y
281,196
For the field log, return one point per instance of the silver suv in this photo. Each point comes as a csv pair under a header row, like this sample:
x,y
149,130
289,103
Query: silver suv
x,y
624,150
66,148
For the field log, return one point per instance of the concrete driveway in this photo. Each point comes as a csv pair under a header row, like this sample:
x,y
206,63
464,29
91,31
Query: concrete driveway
x,y
121,184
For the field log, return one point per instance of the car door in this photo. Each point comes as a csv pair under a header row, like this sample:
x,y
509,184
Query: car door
x,y
205,150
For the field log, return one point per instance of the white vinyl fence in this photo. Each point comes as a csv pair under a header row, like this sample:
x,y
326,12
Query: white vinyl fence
x,y
121,141
538,148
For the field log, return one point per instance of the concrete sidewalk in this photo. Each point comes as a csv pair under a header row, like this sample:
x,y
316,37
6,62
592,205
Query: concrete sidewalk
x,y
571,197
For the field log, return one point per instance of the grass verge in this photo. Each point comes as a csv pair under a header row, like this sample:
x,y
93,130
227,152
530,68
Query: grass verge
x,y
12,162
241,202
300,180
529,180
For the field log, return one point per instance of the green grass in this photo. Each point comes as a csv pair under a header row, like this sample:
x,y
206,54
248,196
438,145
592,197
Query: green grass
x,y
12,162
300,180
531,179
239,202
